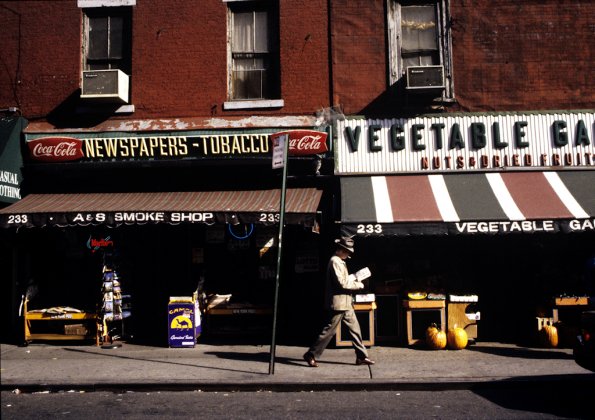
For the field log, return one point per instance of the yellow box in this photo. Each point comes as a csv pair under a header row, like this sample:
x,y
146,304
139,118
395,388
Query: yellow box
x,y
572,301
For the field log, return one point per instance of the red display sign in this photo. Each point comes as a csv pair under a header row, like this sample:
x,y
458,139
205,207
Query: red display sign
x,y
55,149
305,142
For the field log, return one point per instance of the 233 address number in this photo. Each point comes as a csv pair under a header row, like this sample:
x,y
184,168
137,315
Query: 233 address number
x,y
371,228
17,219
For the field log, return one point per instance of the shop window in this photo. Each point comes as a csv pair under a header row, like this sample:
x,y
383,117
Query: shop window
x,y
107,41
419,44
253,80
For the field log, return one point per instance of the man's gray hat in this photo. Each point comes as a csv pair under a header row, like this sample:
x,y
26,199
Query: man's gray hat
x,y
346,242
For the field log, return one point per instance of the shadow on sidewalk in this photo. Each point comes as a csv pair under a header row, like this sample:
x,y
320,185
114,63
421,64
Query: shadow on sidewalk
x,y
166,362
265,357
522,352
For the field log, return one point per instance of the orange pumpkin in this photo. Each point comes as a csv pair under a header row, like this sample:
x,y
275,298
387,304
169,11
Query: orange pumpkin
x,y
549,336
431,330
457,338
435,338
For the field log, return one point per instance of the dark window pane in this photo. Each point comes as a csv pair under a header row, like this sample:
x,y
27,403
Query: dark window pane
x,y
116,36
98,34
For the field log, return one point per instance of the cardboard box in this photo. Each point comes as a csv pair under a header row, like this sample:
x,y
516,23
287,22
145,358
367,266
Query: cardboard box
x,y
364,298
75,329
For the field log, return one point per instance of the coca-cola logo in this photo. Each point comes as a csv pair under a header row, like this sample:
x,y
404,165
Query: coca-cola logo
x,y
55,149
305,142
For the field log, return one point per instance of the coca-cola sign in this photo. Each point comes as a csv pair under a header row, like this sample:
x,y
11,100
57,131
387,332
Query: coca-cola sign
x,y
55,149
305,142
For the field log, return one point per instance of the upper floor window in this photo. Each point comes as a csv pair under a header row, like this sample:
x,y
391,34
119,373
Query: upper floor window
x,y
419,37
253,51
107,39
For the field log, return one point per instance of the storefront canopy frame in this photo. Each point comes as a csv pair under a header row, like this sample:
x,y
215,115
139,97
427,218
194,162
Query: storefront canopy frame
x,y
470,203
138,208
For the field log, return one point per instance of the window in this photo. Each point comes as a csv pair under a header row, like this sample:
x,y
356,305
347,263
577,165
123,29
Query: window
x,y
419,36
254,51
107,39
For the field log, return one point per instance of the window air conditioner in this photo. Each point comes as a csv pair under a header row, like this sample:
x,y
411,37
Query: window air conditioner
x,y
425,78
105,86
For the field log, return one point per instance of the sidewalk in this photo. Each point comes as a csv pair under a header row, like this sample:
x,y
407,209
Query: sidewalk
x,y
246,367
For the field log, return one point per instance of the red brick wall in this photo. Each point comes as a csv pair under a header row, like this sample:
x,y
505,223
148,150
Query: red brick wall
x,y
38,67
179,58
359,52
524,54
507,55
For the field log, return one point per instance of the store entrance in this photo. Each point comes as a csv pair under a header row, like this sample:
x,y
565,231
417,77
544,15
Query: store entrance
x,y
516,277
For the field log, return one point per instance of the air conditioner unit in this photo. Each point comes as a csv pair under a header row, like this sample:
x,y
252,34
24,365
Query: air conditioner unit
x,y
425,78
105,86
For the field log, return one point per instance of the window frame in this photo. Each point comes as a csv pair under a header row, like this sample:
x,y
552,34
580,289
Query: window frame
x,y
123,63
397,69
273,72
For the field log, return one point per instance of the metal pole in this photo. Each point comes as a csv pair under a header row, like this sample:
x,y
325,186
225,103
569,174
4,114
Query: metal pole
x,y
279,254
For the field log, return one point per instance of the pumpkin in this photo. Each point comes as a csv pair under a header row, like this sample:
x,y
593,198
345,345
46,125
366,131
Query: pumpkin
x,y
431,330
435,338
457,338
549,336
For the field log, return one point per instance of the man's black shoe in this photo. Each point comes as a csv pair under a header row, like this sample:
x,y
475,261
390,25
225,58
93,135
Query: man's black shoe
x,y
310,360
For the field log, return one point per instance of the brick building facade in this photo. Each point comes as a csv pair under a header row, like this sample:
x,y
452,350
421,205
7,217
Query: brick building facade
x,y
447,90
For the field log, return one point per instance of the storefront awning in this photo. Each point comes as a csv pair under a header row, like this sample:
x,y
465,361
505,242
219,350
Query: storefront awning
x,y
207,207
505,202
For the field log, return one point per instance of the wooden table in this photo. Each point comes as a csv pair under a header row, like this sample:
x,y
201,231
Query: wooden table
x,y
237,320
412,306
568,302
368,309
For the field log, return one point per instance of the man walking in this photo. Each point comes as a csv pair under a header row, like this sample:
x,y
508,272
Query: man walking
x,y
340,286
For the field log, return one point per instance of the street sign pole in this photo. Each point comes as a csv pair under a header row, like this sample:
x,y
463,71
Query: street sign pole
x,y
280,249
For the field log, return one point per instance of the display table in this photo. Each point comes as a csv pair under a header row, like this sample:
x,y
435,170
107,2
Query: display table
x,y
365,316
76,325
572,306
415,306
237,319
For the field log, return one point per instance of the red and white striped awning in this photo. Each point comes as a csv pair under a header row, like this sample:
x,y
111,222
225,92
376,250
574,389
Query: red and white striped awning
x,y
468,203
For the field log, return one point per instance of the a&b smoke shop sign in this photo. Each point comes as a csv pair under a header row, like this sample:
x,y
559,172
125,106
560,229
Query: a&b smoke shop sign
x,y
466,142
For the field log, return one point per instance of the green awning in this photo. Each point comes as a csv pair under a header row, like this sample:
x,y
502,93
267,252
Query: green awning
x,y
11,160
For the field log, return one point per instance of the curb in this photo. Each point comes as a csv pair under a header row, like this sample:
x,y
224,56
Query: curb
x,y
438,385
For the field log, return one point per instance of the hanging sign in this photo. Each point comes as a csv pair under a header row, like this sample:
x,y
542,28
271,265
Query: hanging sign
x,y
279,150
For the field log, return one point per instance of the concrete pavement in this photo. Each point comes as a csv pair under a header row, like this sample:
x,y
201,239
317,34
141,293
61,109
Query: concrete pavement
x,y
53,367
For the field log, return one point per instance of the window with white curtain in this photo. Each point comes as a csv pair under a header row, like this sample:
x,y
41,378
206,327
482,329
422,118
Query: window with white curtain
x,y
420,38
419,35
254,67
107,38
